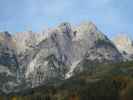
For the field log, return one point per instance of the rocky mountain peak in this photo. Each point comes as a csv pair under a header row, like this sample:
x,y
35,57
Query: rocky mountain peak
x,y
5,34
24,40
7,41
88,26
65,29
59,52
65,26
124,43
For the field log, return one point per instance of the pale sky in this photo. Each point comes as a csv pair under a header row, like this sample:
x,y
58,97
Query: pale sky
x,y
110,16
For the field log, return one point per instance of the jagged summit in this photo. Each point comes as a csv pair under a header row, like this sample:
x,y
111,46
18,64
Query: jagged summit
x,y
124,45
5,34
7,41
88,26
24,40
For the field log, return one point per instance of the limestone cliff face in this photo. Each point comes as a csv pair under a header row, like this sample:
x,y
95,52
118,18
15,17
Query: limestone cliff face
x,y
54,55
8,63
24,40
124,45
70,46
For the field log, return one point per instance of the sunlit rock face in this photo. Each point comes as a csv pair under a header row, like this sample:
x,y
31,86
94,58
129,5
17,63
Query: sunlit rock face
x,y
92,42
24,40
27,40
124,45
7,41
54,55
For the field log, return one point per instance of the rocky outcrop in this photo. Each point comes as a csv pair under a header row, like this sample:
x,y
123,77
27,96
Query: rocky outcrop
x,y
70,46
9,71
124,45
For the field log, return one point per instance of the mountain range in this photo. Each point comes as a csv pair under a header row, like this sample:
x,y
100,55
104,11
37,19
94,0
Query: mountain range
x,y
31,59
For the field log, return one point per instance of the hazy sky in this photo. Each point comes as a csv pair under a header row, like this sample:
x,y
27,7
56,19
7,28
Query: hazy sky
x,y
110,16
